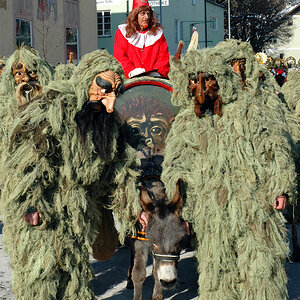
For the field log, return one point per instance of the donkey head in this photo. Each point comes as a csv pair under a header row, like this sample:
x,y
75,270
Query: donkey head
x,y
165,230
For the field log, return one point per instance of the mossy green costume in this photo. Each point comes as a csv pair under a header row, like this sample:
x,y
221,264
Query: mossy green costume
x,y
64,71
52,171
233,167
291,93
9,105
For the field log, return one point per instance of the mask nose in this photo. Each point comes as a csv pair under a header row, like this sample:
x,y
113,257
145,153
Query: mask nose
x,y
109,102
26,78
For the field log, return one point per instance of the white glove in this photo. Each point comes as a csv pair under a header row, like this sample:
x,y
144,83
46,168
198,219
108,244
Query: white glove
x,y
135,72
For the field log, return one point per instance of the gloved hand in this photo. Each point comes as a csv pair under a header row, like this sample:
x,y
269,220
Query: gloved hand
x,y
135,72
154,74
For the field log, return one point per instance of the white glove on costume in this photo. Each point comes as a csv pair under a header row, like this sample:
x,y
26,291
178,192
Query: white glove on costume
x,y
135,72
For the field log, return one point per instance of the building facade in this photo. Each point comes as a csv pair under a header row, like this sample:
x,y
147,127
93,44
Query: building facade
x,y
178,18
293,47
53,27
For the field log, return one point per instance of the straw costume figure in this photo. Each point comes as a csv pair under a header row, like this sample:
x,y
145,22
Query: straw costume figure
x,y
291,93
23,78
66,165
234,155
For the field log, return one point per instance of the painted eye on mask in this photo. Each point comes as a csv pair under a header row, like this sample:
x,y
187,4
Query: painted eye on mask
x,y
106,91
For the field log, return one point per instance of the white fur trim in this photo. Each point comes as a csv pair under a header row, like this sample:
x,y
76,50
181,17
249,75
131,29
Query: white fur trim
x,y
141,40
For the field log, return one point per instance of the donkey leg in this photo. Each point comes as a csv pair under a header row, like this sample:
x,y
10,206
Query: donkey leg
x,y
157,291
129,273
141,249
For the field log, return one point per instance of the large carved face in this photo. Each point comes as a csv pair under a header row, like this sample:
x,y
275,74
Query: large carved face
x,y
105,87
27,81
151,130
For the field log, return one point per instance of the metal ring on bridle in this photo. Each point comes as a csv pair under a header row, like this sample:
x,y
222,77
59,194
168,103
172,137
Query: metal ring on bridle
x,y
165,257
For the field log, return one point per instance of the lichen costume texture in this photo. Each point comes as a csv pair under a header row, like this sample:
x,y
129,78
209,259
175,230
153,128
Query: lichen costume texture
x,y
10,106
291,93
233,165
64,71
52,171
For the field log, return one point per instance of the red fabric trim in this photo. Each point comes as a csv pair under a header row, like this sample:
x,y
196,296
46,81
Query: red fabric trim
x,y
149,82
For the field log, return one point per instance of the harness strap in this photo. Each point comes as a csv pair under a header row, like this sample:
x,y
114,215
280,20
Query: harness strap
x,y
140,235
165,257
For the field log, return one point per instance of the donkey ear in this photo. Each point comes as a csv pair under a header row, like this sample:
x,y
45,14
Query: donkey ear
x,y
176,204
146,201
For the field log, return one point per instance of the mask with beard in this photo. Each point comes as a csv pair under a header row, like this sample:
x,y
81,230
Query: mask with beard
x,y
27,81
93,116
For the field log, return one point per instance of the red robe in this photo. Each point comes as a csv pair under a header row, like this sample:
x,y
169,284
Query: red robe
x,y
142,51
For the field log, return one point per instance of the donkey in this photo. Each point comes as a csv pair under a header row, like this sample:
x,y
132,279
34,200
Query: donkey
x,y
164,231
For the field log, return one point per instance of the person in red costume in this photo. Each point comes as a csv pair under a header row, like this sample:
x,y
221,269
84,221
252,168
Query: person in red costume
x,y
140,45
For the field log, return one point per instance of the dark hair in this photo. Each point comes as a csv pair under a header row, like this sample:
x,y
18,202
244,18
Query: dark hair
x,y
132,21
93,117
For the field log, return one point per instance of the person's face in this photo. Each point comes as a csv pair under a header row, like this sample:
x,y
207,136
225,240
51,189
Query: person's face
x,y
143,19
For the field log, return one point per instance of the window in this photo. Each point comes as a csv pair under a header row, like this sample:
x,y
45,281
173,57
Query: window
x,y
23,32
213,22
72,44
104,23
3,4
177,31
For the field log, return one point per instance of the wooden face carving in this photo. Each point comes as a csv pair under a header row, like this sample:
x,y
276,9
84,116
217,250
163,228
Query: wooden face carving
x,y
22,74
105,87
2,65
205,89
152,129
27,81
239,66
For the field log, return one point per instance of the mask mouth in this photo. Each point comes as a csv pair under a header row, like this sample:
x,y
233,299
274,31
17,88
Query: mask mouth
x,y
26,91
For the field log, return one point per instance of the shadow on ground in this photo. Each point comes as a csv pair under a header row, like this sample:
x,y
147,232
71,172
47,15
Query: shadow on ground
x,y
110,281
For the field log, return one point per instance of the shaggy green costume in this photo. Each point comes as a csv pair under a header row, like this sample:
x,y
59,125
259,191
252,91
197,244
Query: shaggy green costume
x,y
291,93
233,167
65,180
64,71
9,106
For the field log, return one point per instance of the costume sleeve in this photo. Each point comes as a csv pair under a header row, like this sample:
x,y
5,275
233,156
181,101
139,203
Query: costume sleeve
x,y
162,62
30,165
125,196
120,53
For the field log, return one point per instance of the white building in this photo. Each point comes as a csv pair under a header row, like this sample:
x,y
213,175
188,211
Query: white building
x,y
293,47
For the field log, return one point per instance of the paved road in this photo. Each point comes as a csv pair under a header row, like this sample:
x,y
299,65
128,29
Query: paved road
x,y
110,281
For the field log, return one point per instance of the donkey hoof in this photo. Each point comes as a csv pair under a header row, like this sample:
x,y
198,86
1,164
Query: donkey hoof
x,y
168,284
129,285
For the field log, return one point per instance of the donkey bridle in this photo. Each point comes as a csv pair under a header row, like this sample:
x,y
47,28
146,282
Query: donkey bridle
x,y
165,257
